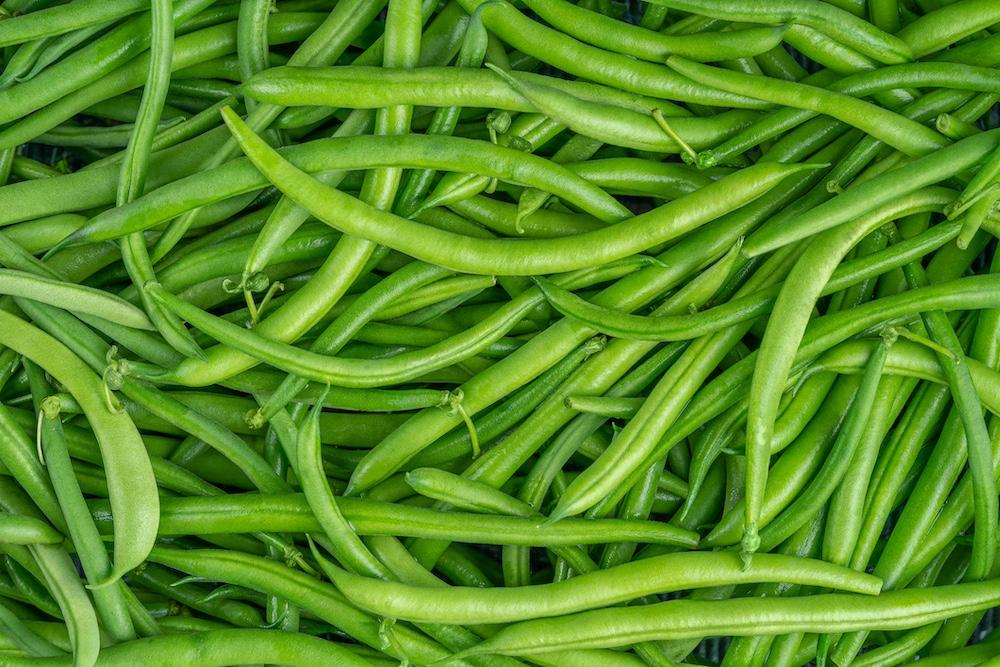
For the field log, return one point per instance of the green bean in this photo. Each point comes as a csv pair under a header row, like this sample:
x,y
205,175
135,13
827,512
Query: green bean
x,y
353,372
526,362
465,494
623,127
979,449
840,25
689,618
622,408
506,415
350,87
443,34
58,47
415,185
897,131
188,49
836,57
348,323
134,167
847,503
976,188
81,621
21,61
111,137
565,53
346,544
486,435
953,75
20,461
91,188
24,637
588,591
164,582
88,64
349,153
25,581
938,29
401,564
615,36
72,297
866,196
501,218
493,256
223,646
841,454
327,42
640,177
904,358
290,513
251,39
27,530
130,477
287,216
778,346
109,601
321,599
58,20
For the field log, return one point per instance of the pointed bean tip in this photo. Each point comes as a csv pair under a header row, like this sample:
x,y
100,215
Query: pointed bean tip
x,y
112,579
461,655
557,514
751,249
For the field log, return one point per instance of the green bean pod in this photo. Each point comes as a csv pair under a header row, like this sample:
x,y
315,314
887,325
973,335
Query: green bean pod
x,y
834,612
130,476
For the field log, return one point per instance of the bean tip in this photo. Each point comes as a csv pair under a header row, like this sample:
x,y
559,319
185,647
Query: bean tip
x,y
557,514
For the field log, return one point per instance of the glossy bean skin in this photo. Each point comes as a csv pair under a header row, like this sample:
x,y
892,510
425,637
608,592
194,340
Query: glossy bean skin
x,y
359,372
189,49
687,618
348,87
622,127
924,171
597,589
95,60
72,297
901,133
489,386
570,55
676,327
483,414
494,257
126,462
347,153
27,530
792,309
905,358
608,34
220,647
289,513
841,25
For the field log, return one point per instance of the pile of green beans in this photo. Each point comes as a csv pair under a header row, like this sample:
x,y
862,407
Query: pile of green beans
x,y
498,333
